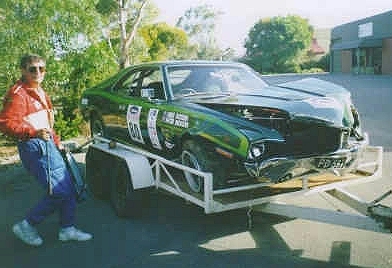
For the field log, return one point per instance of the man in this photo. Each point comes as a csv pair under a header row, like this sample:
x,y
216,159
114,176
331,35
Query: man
x,y
27,116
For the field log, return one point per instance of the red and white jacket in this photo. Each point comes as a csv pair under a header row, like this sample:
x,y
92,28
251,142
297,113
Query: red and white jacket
x,y
25,111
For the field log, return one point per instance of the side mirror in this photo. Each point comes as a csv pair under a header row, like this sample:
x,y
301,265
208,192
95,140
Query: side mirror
x,y
148,93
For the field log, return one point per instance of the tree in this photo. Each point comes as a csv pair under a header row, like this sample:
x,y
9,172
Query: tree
x,y
63,32
164,42
49,28
125,18
199,23
273,44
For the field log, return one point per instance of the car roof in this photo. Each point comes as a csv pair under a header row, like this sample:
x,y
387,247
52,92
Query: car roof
x,y
187,62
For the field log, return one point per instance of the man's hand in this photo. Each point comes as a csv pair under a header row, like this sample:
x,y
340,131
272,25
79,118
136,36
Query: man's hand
x,y
43,134
61,147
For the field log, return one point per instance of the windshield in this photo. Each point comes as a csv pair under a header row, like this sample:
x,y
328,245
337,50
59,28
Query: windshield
x,y
216,79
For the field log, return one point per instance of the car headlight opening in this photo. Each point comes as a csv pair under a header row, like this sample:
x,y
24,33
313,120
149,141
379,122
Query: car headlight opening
x,y
257,150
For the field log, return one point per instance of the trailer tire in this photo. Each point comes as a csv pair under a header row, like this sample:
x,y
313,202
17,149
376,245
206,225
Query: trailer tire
x,y
97,167
126,201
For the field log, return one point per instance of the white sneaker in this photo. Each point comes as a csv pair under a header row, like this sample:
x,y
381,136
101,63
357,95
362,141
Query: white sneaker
x,y
27,233
71,233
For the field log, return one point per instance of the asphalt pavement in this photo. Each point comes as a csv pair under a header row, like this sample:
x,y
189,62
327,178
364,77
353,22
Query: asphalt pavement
x,y
173,233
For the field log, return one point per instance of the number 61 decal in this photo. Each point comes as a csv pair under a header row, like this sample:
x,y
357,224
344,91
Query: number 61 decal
x,y
133,121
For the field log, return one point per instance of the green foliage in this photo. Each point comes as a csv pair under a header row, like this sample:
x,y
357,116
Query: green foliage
x,y
324,62
164,42
200,23
274,44
320,65
120,28
68,127
106,7
82,43
67,34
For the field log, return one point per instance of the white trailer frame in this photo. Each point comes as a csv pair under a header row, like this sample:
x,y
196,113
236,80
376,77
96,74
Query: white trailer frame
x,y
155,173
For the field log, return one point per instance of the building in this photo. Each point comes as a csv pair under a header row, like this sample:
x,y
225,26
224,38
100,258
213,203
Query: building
x,y
363,46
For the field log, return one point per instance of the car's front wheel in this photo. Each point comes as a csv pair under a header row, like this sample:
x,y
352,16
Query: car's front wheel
x,y
196,156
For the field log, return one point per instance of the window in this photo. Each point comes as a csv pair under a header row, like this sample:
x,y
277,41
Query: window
x,y
129,84
354,53
201,79
152,78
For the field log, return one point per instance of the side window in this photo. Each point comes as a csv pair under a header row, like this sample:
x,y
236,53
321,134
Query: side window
x,y
129,85
152,78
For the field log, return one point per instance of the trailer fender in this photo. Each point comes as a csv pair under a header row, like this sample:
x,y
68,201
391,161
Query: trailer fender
x,y
140,170
138,165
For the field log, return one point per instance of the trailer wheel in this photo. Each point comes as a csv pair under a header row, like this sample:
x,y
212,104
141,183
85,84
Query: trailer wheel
x,y
125,200
97,167
195,156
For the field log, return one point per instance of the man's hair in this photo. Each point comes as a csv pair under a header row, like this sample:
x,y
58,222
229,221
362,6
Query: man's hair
x,y
29,58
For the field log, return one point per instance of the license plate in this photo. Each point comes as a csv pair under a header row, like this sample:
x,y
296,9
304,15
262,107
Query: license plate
x,y
325,163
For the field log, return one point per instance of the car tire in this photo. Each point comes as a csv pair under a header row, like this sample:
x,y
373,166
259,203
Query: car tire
x,y
196,156
97,177
125,200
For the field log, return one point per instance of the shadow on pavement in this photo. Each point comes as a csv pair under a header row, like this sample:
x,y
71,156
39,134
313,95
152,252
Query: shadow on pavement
x,y
171,233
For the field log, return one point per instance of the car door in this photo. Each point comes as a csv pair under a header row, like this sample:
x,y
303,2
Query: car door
x,y
138,121
124,91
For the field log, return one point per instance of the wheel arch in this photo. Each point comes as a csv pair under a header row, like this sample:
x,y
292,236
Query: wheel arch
x,y
207,144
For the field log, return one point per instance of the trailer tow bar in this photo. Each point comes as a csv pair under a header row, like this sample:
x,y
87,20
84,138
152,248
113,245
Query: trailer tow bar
x,y
249,214
380,212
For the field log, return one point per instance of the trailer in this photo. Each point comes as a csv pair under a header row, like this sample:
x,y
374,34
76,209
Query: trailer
x,y
126,174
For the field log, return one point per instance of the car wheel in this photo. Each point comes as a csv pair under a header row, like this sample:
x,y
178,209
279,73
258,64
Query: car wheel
x,y
125,200
195,156
96,127
97,167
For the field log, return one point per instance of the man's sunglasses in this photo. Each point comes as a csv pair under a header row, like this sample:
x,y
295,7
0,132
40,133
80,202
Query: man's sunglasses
x,y
34,69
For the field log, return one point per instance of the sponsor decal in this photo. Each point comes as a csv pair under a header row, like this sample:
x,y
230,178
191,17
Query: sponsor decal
x,y
152,128
133,121
182,120
168,117
176,119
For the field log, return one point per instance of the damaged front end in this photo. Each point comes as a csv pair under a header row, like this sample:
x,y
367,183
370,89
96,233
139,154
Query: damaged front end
x,y
280,168
307,145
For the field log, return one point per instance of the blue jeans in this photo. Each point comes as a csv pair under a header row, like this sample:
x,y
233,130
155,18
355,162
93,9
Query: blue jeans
x,y
43,161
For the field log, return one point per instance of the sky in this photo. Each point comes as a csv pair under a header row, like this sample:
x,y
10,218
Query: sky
x,y
240,15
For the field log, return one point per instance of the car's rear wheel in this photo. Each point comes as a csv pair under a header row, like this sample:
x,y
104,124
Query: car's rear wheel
x,y
196,156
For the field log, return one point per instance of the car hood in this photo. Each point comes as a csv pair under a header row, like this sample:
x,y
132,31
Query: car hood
x,y
307,99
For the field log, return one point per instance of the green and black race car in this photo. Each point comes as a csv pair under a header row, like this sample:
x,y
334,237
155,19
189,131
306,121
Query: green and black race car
x,y
223,118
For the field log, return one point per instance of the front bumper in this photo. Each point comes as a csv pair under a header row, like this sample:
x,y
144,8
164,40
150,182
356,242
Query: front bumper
x,y
279,169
